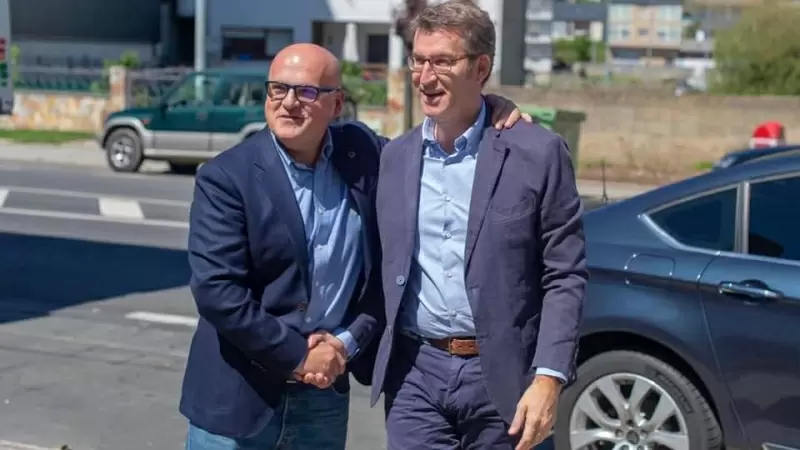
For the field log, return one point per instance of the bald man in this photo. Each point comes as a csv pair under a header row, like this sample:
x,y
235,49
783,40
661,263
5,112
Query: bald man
x,y
285,263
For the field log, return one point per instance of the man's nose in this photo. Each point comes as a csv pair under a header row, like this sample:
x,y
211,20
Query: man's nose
x,y
290,100
427,76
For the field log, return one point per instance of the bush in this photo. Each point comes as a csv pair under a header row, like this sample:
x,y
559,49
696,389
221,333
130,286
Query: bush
x,y
760,54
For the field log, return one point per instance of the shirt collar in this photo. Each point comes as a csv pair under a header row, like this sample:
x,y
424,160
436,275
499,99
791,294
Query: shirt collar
x,y
468,140
327,149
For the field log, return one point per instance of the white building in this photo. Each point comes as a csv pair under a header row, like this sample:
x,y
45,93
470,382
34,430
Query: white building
x,y
250,32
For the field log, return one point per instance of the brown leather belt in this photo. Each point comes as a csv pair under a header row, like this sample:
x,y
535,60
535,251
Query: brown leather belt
x,y
456,346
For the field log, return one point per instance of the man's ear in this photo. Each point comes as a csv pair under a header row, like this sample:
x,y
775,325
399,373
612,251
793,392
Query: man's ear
x,y
483,66
338,105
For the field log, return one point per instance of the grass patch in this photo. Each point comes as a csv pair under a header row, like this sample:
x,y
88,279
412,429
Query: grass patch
x,y
44,136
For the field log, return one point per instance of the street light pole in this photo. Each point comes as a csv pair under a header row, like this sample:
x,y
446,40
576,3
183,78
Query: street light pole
x,y
200,16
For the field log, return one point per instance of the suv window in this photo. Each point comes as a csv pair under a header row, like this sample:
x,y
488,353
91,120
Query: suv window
x,y
775,219
195,90
707,222
242,92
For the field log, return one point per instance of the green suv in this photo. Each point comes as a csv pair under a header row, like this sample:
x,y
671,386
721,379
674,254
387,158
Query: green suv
x,y
200,116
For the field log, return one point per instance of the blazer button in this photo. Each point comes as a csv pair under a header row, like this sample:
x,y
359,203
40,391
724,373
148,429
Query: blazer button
x,y
400,280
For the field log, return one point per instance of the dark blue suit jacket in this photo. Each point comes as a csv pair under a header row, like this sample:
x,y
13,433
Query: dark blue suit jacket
x,y
525,259
249,263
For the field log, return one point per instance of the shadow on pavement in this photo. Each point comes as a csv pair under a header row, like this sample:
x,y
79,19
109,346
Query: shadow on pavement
x,y
40,274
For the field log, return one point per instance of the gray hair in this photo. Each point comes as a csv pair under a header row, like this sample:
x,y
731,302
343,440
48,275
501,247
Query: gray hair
x,y
464,18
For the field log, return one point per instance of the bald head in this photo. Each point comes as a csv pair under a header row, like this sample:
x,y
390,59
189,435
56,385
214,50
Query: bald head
x,y
304,97
312,62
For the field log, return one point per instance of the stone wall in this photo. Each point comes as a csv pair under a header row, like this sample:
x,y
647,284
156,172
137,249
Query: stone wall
x,y
659,133
67,111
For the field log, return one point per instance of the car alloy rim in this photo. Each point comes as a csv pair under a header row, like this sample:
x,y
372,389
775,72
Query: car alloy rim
x,y
122,152
625,411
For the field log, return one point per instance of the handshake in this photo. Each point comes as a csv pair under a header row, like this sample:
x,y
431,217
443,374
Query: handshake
x,y
326,360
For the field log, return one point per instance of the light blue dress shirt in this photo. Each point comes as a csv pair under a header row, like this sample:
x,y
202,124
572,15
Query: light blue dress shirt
x,y
333,234
435,304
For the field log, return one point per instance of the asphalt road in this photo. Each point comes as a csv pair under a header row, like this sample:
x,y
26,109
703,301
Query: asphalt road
x,y
95,314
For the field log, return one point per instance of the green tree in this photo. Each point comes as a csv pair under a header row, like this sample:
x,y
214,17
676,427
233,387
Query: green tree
x,y
760,54
579,49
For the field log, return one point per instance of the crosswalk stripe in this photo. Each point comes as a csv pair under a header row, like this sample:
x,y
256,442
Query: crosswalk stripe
x,y
3,196
170,319
119,207
8,445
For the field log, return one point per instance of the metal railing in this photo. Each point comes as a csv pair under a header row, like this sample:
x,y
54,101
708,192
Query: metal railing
x,y
88,80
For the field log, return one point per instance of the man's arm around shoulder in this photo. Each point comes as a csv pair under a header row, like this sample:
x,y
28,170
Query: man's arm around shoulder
x,y
564,275
218,258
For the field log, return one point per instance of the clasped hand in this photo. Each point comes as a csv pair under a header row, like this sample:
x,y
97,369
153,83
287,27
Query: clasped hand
x,y
325,361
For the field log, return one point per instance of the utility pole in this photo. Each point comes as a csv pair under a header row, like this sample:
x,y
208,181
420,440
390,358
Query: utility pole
x,y
200,19
402,22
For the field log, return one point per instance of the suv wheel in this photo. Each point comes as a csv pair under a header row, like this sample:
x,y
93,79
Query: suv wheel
x,y
626,399
183,168
124,151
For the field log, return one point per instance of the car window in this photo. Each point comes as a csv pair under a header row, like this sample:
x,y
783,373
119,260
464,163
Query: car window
x,y
242,93
196,90
774,219
707,222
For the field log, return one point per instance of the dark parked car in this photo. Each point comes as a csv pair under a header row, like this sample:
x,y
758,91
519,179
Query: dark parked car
x,y
200,116
756,154
688,340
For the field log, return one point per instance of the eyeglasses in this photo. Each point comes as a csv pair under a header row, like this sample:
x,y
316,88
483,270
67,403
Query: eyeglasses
x,y
439,64
304,93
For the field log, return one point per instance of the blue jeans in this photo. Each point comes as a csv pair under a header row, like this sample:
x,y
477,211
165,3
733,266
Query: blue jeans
x,y
308,419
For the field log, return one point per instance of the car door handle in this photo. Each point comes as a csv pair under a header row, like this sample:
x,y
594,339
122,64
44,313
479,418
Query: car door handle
x,y
754,290
202,115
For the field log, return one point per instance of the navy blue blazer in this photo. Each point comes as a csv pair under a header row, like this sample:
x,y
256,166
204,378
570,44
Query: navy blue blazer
x,y
525,254
249,265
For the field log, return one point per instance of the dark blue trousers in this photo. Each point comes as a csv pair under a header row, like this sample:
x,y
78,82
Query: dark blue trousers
x,y
436,401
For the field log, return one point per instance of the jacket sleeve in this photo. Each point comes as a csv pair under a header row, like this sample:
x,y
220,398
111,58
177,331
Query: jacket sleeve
x,y
564,275
219,262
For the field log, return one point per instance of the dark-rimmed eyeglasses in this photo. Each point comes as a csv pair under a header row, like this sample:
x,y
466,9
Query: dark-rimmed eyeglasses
x,y
303,92
439,64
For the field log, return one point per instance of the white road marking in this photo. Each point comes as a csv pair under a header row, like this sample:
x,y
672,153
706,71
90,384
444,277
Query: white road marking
x,y
170,319
3,196
8,445
120,207
93,218
81,194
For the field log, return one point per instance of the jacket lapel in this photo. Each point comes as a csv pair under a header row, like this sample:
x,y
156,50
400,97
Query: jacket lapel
x,y
272,177
491,156
410,195
347,162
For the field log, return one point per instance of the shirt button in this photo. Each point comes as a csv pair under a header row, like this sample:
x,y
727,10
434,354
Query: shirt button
x,y
308,319
447,198
448,235
400,280
449,275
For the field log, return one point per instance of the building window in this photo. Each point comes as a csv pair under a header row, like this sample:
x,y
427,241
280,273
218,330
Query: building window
x,y
643,32
378,49
619,33
669,34
254,44
669,13
620,12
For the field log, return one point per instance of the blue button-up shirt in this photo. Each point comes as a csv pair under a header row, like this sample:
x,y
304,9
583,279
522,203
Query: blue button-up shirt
x,y
436,304
333,234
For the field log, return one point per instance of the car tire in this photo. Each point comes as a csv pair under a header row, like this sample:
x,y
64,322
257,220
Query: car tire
x,y
124,151
693,421
183,168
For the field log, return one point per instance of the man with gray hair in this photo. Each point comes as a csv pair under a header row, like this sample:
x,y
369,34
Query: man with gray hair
x,y
483,266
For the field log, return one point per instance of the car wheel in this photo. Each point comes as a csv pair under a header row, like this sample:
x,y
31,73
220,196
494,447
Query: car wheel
x,y
183,168
124,151
629,400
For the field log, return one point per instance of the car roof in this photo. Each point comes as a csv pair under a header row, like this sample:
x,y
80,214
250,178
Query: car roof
x,y
751,154
706,182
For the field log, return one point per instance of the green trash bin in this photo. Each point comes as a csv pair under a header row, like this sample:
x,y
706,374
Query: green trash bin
x,y
566,123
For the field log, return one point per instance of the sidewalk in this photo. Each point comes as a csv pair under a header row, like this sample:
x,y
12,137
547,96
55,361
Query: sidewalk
x,y
89,155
